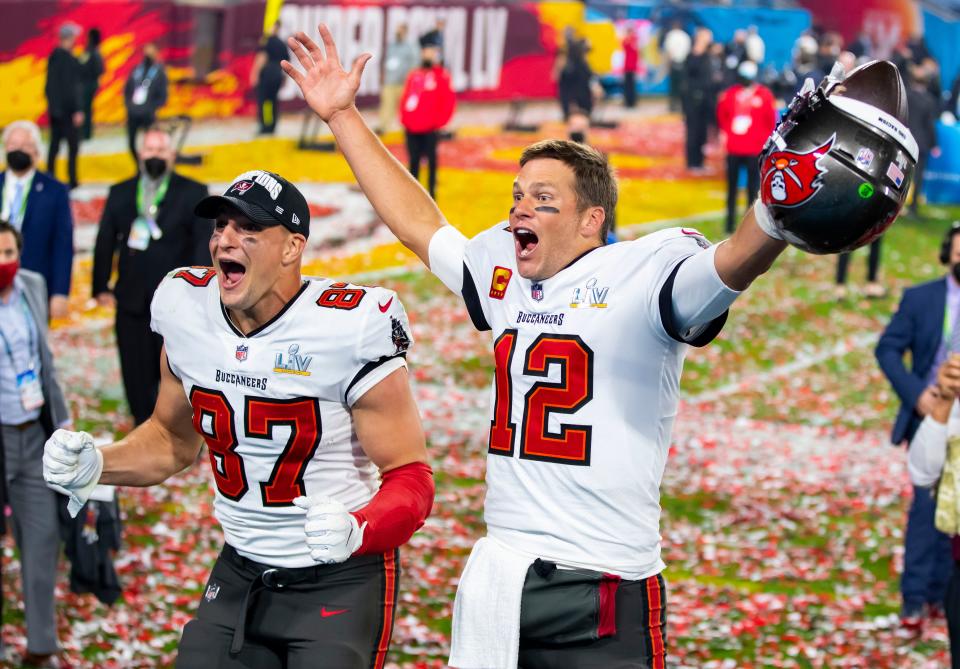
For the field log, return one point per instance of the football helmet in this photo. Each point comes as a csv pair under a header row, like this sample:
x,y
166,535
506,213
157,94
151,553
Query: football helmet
x,y
835,172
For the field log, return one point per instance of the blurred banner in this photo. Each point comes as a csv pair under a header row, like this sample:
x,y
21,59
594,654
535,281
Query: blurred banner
x,y
941,182
493,51
888,23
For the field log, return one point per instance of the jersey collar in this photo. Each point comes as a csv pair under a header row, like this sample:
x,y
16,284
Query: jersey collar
x,y
235,330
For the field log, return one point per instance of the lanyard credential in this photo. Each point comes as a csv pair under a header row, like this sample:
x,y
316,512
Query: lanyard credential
x,y
18,218
151,211
30,337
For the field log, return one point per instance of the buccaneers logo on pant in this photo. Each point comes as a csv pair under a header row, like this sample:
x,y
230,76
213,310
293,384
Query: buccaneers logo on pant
x,y
789,179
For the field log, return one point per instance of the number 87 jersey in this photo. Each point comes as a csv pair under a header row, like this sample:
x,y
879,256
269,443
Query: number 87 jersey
x,y
273,406
584,397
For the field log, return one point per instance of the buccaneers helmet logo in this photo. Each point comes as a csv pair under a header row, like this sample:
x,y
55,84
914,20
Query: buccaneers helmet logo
x,y
789,178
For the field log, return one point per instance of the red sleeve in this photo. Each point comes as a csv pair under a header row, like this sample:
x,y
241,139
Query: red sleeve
x,y
447,99
398,509
409,116
723,111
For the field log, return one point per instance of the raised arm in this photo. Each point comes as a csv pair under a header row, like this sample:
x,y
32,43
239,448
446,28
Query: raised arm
x,y
164,445
400,202
748,253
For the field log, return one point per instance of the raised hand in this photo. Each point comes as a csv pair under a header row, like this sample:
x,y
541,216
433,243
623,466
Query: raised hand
x,y
326,86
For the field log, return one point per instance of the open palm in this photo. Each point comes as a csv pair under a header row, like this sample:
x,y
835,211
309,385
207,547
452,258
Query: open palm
x,y
325,85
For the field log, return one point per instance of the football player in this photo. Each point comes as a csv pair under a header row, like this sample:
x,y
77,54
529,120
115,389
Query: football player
x,y
588,341
300,391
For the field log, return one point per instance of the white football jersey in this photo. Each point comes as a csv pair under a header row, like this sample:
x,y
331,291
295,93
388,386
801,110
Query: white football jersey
x,y
274,406
585,394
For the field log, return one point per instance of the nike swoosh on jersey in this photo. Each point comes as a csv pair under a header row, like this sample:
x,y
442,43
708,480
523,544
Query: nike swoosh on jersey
x,y
326,613
384,307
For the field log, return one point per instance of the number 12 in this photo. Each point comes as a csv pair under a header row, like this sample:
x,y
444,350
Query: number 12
x,y
571,445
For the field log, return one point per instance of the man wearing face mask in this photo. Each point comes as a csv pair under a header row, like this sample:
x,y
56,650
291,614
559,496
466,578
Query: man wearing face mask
x,y
38,206
426,105
148,221
927,324
746,115
31,407
144,93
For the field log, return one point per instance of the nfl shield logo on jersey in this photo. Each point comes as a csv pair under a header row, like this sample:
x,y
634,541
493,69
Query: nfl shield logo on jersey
x,y
536,291
242,352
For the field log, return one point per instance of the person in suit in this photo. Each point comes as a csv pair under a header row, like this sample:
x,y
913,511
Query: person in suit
x,y
38,206
64,91
91,68
31,407
927,324
144,93
148,221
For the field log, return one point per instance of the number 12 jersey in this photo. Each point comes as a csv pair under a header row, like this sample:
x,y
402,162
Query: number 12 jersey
x,y
585,394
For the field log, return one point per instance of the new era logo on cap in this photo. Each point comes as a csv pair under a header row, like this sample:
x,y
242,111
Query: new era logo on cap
x,y
263,197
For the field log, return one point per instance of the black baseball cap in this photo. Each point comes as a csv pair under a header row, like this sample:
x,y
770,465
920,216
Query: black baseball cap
x,y
263,197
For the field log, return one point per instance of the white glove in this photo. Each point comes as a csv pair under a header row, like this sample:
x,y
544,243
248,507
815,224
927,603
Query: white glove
x,y
72,466
762,215
333,533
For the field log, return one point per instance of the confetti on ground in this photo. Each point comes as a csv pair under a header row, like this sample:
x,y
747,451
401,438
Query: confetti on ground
x,y
783,503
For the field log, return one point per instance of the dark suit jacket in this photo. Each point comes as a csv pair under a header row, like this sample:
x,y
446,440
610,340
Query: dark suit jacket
x,y
64,84
185,241
916,327
54,412
48,232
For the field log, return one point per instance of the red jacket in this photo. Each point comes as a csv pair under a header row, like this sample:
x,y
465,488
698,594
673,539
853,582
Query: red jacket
x,y
631,53
746,116
428,100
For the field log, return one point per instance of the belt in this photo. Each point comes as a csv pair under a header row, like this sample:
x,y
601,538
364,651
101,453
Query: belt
x,y
22,426
265,578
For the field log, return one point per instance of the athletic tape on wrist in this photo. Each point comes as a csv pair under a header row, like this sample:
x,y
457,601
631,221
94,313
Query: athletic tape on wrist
x,y
762,216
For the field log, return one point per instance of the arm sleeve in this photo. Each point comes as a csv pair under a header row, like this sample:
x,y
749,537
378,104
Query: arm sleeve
x,y
381,347
453,259
105,247
398,509
896,340
927,453
163,313
62,266
699,294
447,252
694,311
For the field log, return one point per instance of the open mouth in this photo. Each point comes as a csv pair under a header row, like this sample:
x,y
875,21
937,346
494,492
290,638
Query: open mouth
x,y
526,241
233,273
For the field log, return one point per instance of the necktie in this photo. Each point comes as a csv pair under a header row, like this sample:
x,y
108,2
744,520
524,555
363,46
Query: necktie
x,y
955,334
16,213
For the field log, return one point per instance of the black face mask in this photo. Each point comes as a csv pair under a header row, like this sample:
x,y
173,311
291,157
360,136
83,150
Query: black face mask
x,y
426,63
19,160
955,270
155,167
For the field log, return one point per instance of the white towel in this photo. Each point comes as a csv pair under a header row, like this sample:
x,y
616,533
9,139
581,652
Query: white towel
x,y
486,612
